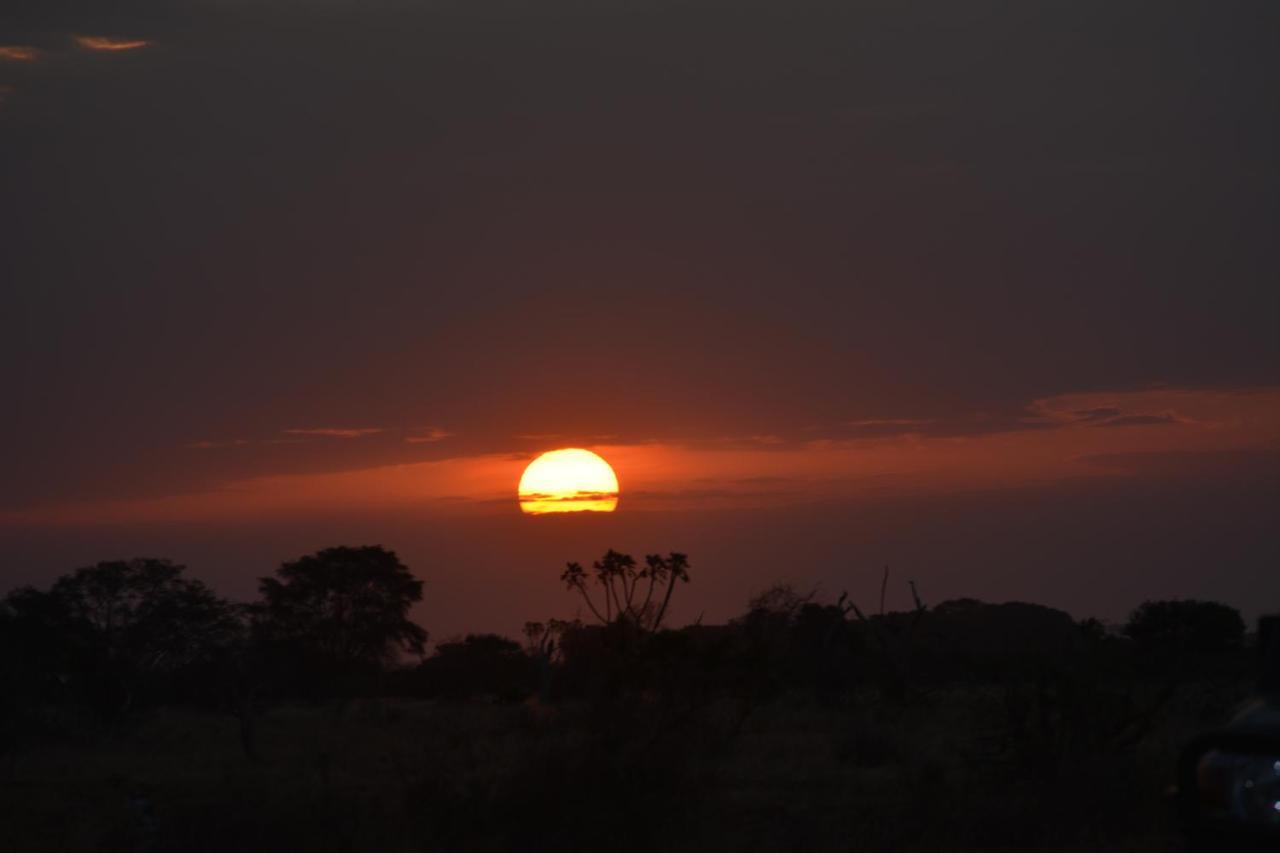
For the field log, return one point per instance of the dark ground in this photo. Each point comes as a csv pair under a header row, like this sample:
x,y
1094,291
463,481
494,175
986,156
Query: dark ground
x,y
943,773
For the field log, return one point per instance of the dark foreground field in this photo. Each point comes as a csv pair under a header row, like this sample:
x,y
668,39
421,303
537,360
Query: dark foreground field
x,y
962,769
140,712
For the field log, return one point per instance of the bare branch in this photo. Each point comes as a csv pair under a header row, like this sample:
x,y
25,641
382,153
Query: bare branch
x,y
884,583
916,596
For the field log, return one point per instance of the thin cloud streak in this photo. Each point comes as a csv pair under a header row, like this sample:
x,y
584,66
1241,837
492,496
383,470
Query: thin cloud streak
x,y
429,436
1142,407
1140,420
110,45
19,53
335,432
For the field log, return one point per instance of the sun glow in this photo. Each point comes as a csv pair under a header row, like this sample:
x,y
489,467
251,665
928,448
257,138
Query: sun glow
x,y
568,480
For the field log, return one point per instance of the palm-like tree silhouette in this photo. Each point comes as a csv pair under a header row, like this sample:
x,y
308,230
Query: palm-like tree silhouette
x,y
639,595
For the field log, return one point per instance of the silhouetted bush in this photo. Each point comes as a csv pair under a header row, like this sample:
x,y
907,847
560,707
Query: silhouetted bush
x,y
479,665
1205,627
966,639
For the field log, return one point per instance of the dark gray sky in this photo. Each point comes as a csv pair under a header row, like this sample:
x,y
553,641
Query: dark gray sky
x,y
502,225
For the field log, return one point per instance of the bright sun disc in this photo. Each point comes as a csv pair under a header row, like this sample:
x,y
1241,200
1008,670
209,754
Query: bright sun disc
x,y
569,480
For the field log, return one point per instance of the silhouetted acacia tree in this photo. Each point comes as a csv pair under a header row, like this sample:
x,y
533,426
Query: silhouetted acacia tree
x,y
116,631
339,614
635,595
1187,626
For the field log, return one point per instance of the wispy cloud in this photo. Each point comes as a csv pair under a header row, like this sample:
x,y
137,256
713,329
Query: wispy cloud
x,y
1100,413
335,432
1140,420
105,43
1043,414
565,438
900,422
428,436
1108,415
19,53
753,441
958,425
212,445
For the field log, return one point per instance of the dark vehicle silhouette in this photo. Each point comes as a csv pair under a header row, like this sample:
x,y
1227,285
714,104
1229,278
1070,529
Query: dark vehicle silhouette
x,y
1229,780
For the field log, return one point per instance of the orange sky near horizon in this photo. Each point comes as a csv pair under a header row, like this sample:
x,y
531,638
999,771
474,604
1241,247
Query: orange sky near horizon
x,y
1070,436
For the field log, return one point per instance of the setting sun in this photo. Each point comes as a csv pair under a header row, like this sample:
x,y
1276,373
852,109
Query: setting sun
x,y
568,480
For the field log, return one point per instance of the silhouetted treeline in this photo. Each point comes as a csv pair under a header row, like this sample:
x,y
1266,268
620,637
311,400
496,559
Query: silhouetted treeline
x,y
109,640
